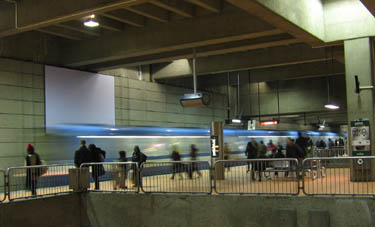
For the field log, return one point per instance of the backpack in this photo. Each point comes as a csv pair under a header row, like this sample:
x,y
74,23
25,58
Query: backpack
x,y
143,157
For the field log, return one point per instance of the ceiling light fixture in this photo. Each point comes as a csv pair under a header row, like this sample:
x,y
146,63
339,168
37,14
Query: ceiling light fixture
x,y
91,21
330,105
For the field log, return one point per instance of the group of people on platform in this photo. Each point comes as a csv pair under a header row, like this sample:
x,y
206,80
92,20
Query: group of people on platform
x,y
294,149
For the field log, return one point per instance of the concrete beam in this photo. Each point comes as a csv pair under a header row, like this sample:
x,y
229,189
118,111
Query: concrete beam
x,y
300,71
257,59
370,5
179,8
54,12
204,51
110,24
211,5
269,11
150,11
125,17
176,35
60,32
78,27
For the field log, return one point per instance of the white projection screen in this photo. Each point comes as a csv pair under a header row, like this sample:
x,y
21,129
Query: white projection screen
x,y
77,97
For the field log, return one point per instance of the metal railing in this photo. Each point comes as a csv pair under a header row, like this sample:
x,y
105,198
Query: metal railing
x,y
3,193
176,177
333,152
339,176
33,181
257,176
113,176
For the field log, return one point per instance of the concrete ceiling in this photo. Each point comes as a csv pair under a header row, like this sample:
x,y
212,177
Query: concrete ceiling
x,y
227,35
134,32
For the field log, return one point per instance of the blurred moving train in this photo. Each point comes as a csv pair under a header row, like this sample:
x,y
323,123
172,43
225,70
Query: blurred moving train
x,y
157,142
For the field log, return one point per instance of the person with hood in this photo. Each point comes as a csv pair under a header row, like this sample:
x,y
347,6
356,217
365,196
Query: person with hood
x,y
97,155
32,174
139,158
176,167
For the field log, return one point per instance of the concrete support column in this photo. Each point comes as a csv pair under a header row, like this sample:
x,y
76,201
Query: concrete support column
x,y
217,129
359,60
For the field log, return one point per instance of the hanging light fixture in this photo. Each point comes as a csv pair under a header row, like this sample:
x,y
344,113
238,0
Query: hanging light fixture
x,y
330,105
91,21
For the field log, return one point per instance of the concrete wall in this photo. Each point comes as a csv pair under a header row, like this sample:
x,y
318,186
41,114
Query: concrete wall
x,y
145,103
21,109
60,211
183,210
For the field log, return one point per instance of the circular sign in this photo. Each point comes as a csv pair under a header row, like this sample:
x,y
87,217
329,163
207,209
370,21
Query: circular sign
x,y
360,161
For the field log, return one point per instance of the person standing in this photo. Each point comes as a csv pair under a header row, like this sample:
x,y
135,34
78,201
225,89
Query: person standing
x,y
139,158
122,171
176,167
97,155
194,164
251,153
82,155
292,151
32,174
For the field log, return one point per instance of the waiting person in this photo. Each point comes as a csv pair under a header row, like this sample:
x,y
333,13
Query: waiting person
x,y
260,166
194,165
227,153
139,158
122,172
176,167
279,154
97,155
82,155
251,153
32,174
271,147
330,143
292,151
303,143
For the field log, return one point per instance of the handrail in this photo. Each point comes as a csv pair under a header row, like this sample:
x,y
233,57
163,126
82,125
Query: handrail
x,y
159,177
113,176
3,193
40,180
243,175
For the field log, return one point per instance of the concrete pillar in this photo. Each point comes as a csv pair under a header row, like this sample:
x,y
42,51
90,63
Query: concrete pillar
x,y
359,60
217,130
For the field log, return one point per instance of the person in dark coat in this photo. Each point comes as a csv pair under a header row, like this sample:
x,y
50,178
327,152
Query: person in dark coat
x,y
122,172
251,153
176,167
293,151
194,165
279,154
97,155
139,158
303,143
32,174
82,155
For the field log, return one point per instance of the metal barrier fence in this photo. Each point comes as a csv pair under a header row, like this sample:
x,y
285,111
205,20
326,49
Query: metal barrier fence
x,y
113,176
339,176
176,177
334,152
258,176
32,181
2,185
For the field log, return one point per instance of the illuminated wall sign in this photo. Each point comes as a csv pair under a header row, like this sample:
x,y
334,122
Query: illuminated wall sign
x,y
265,123
214,146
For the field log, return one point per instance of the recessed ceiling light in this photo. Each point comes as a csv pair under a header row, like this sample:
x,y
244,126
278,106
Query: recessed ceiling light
x,y
91,21
332,106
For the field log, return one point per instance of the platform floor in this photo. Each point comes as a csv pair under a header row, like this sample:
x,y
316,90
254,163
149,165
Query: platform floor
x,y
237,180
